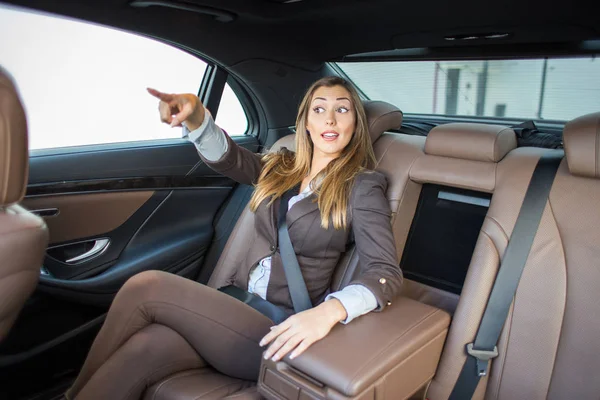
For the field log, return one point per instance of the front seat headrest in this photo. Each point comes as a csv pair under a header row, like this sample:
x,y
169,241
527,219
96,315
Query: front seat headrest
x,y
477,142
581,138
14,156
381,117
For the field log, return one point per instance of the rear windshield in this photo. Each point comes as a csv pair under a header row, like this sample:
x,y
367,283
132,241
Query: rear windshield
x,y
542,89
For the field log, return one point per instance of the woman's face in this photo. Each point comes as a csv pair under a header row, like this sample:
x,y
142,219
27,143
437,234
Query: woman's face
x,y
331,121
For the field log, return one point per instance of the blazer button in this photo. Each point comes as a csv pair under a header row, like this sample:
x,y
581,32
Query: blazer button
x,y
272,248
382,281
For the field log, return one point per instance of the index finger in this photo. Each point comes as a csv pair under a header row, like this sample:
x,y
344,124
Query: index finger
x,y
160,95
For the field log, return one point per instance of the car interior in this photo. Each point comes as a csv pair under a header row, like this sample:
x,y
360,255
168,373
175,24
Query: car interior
x,y
77,221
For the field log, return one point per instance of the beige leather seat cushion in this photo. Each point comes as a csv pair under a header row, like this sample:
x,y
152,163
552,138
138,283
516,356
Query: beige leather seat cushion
x,y
202,384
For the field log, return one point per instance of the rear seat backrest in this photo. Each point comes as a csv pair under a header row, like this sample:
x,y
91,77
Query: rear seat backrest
x,y
481,147
465,156
549,347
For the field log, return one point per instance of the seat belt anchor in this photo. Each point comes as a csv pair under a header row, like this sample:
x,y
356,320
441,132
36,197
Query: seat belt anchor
x,y
482,357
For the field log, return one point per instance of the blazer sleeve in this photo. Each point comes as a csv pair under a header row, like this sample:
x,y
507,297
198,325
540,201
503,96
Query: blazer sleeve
x,y
238,163
374,240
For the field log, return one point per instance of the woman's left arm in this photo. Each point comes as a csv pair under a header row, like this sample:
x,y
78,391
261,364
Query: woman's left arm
x,y
380,273
374,240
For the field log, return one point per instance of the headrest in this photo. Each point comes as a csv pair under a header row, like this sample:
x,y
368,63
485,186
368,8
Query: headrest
x,y
581,138
14,156
477,142
381,117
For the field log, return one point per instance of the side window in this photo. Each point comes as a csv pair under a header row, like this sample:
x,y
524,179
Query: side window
x,y
231,116
85,84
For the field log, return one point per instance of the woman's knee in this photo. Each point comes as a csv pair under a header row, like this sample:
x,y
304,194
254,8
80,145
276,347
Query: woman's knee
x,y
144,286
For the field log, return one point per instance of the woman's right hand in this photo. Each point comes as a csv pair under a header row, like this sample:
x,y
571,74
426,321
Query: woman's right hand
x,y
175,109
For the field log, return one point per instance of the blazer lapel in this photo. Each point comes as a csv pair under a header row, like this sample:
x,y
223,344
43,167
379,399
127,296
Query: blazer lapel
x,y
305,206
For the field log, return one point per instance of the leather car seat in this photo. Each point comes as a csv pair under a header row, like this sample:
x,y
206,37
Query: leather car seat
x,y
23,236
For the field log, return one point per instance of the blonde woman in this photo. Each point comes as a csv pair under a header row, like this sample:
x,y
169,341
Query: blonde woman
x,y
160,323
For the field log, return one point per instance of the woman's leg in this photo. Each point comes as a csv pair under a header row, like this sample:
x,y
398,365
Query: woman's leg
x,y
222,330
149,355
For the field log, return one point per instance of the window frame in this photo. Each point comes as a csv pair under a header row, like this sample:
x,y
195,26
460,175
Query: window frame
x,y
212,91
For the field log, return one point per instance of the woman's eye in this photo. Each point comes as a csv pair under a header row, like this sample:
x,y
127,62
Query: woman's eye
x,y
342,110
318,110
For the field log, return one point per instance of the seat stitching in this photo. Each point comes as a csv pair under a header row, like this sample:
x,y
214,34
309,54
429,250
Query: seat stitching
x,y
142,379
239,394
384,153
171,378
6,166
510,327
499,227
215,389
496,139
372,124
566,287
510,315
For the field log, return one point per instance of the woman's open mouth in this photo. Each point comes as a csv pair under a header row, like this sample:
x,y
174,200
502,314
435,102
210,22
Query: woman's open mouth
x,y
330,136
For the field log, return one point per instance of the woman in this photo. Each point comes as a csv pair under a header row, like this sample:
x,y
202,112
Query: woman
x,y
159,323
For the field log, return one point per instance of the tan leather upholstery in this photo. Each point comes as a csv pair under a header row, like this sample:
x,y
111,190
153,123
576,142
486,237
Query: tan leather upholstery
x,y
396,358
582,145
548,347
23,236
505,205
465,174
381,117
205,384
102,212
14,156
477,142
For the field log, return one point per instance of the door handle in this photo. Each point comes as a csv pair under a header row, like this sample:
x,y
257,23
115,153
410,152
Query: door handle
x,y
100,245
46,212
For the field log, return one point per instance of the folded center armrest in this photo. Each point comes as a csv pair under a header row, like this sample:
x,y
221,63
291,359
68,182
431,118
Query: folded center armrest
x,y
395,351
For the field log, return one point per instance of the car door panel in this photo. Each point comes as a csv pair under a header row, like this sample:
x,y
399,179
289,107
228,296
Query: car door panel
x,y
86,215
155,202
124,201
174,238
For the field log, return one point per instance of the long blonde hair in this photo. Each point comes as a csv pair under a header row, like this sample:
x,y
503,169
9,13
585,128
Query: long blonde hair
x,y
284,170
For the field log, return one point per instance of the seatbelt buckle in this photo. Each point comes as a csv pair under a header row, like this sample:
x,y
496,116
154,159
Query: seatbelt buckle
x,y
482,357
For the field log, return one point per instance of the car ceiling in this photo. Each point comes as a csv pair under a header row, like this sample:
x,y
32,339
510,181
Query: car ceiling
x,y
305,33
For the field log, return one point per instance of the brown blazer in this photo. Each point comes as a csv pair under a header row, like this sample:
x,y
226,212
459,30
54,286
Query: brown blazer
x,y
318,250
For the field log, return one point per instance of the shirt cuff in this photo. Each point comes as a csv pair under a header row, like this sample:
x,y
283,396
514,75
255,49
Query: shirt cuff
x,y
356,299
209,139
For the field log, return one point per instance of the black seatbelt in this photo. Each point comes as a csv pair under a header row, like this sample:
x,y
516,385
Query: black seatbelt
x,y
484,347
293,275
